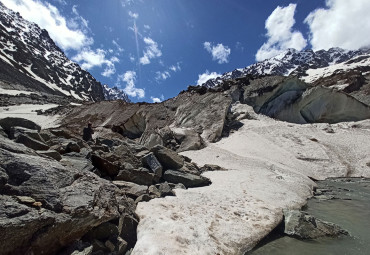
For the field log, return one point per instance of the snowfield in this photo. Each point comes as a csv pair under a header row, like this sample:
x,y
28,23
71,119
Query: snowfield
x,y
268,166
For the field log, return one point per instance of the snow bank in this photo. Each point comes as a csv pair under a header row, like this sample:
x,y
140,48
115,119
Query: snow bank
x,y
268,166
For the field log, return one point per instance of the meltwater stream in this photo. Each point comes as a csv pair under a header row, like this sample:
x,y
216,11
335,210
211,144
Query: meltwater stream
x,y
343,201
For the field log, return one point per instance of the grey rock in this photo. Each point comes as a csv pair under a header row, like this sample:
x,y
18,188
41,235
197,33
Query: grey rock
x,y
9,122
154,191
131,189
189,180
104,165
72,147
11,146
51,154
165,189
16,131
302,225
61,133
81,164
153,164
140,176
168,158
31,143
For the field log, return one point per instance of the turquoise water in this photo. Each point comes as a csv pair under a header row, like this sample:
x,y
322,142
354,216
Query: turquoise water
x,y
349,209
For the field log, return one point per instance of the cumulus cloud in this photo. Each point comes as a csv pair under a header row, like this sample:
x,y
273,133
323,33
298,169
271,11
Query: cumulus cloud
x,y
48,17
202,78
280,34
151,51
129,78
89,59
157,99
342,23
220,53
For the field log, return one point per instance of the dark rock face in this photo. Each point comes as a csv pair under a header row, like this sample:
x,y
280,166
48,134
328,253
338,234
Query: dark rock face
x,y
31,143
304,226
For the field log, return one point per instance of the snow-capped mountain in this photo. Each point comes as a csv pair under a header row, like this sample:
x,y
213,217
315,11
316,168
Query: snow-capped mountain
x,y
30,61
114,93
301,63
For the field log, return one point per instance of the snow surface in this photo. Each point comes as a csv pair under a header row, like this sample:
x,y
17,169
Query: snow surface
x,y
268,163
315,74
14,92
28,111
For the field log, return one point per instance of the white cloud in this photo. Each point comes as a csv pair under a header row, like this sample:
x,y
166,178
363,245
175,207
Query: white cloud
x,y
89,59
343,23
48,17
202,78
151,51
162,76
220,53
62,2
280,35
157,100
133,15
147,27
129,78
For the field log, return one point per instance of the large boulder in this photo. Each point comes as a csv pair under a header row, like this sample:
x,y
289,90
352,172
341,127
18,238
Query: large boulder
x,y
304,226
189,180
31,143
9,122
141,176
168,158
16,131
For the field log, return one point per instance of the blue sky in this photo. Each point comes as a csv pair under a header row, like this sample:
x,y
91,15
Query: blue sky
x,y
153,49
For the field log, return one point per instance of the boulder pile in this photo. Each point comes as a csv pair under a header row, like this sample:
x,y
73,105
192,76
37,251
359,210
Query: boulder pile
x,y
59,193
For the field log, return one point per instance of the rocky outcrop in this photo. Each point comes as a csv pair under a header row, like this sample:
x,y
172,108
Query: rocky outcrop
x,y
304,226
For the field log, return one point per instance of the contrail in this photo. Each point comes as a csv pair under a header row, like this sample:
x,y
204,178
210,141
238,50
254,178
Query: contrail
x,y
137,51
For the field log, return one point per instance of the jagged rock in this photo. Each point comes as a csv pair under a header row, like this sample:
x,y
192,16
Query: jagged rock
x,y
31,143
9,145
104,148
9,122
99,246
72,147
127,229
165,189
78,248
152,163
46,135
190,168
16,131
104,165
61,133
51,154
189,139
168,158
302,225
189,180
153,191
131,189
140,176
78,163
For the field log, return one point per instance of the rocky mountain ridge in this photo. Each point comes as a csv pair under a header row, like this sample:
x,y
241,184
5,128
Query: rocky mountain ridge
x,y
301,64
30,61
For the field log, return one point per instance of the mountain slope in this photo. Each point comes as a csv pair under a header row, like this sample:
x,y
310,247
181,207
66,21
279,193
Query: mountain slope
x,y
31,61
